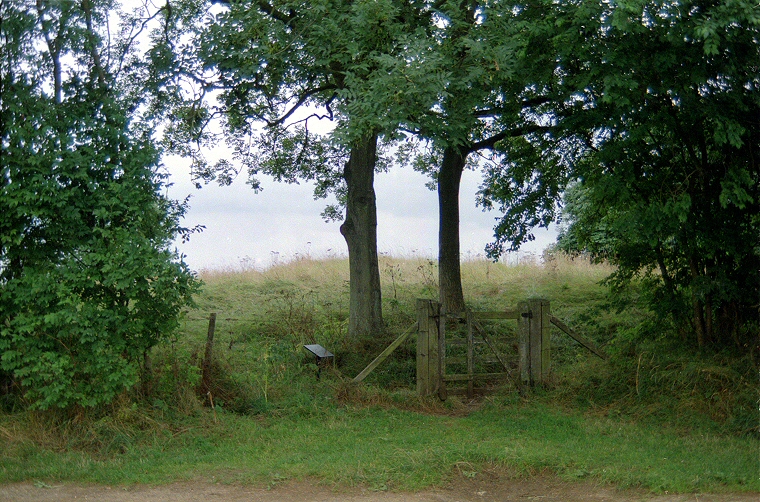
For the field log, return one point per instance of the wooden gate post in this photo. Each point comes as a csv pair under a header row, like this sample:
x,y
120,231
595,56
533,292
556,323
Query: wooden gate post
x,y
534,331
428,378
523,342
540,348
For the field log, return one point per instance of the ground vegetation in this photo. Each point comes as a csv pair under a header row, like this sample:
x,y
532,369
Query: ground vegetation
x,y
654,419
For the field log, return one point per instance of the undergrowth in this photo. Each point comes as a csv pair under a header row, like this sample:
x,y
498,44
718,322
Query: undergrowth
x,y
260,374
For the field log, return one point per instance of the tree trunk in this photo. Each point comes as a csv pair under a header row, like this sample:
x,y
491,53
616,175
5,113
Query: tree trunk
x,y
699,321
697,305
360,231
449,271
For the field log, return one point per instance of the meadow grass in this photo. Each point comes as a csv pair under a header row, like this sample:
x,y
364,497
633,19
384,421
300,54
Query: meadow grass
x,y
383,447
656,421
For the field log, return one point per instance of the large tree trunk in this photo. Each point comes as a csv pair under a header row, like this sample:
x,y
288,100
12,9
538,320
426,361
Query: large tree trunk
x,y
360,231
449,272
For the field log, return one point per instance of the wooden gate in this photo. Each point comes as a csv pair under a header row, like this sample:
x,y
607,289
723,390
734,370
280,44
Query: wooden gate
x,y
436,359
447,356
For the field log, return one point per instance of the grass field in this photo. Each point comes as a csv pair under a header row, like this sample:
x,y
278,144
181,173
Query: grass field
x,y
654,415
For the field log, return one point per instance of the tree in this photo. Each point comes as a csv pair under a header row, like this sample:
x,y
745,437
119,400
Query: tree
x,y
88,283
665,98
493,72
280,67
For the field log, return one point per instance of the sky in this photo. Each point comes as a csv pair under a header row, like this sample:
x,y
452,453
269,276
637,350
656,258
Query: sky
x,y
246,229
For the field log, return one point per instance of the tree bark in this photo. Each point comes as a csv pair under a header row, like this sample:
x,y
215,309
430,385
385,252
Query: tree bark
x,y
449,270
360,231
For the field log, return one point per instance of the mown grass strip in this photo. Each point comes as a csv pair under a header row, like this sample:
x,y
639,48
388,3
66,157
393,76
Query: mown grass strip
x,y
398,449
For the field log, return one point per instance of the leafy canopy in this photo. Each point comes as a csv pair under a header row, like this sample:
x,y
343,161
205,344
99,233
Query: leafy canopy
x,y
667,97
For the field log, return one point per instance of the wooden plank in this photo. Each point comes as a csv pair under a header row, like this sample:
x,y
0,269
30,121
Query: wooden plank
x,y
423,354
546,336
427,347
503,314
535,341
384,354
434,310
540,348
578,338
463,360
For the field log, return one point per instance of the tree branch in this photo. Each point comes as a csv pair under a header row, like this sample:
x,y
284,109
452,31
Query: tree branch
x,y
91,41
490,143
301,100
134,34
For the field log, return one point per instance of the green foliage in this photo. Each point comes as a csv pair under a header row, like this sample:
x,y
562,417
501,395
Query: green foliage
x,y
87,281
280,69
653,116
671,189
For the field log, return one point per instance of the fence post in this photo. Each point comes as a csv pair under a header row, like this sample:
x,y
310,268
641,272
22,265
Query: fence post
x,y
428,379
206,369
523,342
540,349
546,337
470,356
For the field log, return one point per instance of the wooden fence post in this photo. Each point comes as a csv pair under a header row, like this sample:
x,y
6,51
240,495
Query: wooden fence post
x,y
540,347
523,342
206,368
534,341
546,344
428,380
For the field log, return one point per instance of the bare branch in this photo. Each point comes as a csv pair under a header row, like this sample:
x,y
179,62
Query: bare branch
x,y
134,35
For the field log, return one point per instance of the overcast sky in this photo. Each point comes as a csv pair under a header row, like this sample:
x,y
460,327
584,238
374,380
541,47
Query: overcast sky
x,y
284,220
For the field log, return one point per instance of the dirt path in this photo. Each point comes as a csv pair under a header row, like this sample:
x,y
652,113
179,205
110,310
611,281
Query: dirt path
x,y
494,489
